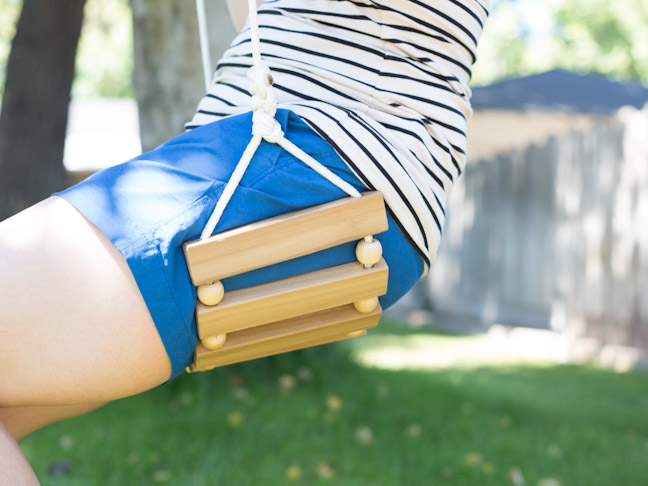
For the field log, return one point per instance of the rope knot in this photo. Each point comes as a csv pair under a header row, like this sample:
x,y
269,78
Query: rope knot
x,y
264,104
267,127
263,97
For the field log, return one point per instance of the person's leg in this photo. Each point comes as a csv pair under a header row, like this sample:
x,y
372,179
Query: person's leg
x,y
18,422
73,326
22,421
14,468
74,330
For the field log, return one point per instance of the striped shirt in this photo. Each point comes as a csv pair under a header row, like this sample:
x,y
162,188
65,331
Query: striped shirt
x,y
384,82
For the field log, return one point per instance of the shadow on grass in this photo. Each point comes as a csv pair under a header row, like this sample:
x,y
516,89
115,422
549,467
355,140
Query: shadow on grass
x,y
317,417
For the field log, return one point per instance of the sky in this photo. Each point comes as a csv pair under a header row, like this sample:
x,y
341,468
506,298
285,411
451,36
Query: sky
x,y
508,20
537,17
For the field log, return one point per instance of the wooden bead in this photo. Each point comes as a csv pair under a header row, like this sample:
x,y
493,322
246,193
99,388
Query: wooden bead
x,y
214,342
367,305
369,252
211,293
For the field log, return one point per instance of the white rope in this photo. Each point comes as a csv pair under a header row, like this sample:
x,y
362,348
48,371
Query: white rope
x,y
254,33
204,42
265,127
231,186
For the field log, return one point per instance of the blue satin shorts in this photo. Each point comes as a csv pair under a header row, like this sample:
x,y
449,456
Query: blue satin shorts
x,y
149,206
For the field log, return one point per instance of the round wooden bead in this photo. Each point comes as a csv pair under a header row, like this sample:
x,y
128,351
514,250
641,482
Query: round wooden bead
x,y
369,252
211,293
214,342
367,305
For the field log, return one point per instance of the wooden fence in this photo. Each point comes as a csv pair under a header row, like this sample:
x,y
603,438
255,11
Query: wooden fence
x,y
554,236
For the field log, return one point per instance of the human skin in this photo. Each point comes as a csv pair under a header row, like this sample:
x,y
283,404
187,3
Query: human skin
x,y
74,329
238,10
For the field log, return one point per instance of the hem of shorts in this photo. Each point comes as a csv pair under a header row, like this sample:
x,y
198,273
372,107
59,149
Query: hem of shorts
x,y
165,314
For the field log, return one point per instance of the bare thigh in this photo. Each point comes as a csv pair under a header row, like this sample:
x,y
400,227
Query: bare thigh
x,y
22,421
73,326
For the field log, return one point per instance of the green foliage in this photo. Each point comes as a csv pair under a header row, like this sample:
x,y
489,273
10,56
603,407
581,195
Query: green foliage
x,y
9,10
104,65
503,48
599,36
317,417
602,36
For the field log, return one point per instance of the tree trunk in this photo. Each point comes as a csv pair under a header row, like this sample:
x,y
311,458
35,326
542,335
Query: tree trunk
x,y
34,113
167,69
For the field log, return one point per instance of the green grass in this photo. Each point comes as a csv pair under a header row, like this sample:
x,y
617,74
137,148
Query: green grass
x,y
238,426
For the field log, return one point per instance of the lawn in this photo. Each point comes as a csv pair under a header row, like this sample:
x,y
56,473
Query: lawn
x,y
324,417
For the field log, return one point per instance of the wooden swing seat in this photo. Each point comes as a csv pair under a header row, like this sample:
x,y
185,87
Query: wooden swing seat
x,y
301,311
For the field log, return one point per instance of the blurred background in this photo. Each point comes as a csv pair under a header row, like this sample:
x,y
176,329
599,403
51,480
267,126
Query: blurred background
x,y
516,361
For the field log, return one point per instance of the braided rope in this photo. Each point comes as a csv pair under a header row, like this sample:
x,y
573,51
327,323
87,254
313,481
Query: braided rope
x,y
204,42
265,127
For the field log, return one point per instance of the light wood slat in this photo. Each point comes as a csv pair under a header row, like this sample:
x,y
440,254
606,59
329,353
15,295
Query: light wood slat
x,y
285,237
278,337
291,297
340,337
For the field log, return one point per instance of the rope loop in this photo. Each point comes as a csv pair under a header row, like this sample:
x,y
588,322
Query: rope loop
x,y
266,126
263,96
260,79
266,104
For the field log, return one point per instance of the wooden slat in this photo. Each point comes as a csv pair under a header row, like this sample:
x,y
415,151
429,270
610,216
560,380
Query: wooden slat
x,y
336,338
285,237
279,337
291,297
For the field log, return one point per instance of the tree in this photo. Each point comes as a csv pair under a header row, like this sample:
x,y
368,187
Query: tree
x,y
599,36
10,10
104,59
167,64
610,38
503,48
34,112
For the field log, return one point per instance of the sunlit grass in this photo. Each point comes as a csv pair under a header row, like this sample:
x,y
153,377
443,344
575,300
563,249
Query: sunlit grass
x,y
318,417
398,347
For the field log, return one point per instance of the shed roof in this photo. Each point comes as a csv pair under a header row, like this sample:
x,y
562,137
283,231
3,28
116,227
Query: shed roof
x,y
562,91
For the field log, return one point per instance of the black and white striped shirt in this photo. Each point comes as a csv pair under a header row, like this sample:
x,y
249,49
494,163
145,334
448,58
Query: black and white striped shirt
x,y
385,82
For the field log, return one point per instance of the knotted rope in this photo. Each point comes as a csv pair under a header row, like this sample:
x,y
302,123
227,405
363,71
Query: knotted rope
x,y
264,127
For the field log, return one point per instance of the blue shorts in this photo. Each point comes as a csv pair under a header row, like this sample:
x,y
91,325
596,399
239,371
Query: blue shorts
x,y
149,206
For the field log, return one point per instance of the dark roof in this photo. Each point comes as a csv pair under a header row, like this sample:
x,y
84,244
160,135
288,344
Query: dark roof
x,y
560,91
